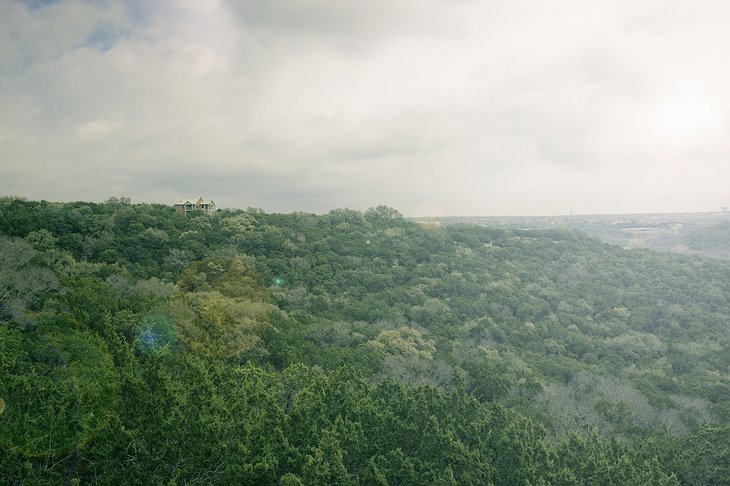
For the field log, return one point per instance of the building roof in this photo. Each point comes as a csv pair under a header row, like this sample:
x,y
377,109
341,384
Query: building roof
x,y
200,200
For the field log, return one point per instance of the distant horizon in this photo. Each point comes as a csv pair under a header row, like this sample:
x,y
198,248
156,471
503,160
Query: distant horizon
x,y
321,212
577,215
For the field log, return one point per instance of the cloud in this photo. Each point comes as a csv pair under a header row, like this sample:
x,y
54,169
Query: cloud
x,y
353,23
455,106
45,32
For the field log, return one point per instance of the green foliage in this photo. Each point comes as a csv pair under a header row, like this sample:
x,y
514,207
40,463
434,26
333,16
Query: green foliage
x,y
142,346
156,334
24,280
215,325
58,385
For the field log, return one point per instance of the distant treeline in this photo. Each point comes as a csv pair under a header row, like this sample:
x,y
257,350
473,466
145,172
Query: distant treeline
x,y
706,234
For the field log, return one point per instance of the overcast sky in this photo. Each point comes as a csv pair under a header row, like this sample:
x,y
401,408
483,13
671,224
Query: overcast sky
x,y
434,107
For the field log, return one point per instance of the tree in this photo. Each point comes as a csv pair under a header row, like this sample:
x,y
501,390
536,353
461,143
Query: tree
x,y
21,280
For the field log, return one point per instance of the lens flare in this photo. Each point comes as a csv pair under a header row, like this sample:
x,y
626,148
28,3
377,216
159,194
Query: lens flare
x,y
156,334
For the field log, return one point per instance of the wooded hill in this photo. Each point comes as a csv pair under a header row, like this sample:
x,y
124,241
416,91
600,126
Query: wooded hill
x,y
704,234
138,345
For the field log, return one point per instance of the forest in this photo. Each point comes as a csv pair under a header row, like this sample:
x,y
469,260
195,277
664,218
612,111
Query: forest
x,y
701,233
142,346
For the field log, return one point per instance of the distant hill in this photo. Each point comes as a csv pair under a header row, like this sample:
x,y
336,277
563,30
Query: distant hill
x,y
706,234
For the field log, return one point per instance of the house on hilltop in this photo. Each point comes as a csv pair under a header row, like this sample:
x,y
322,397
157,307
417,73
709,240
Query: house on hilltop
x,y
199,205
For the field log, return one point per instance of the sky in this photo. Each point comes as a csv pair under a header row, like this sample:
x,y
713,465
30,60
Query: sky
x,y
433,107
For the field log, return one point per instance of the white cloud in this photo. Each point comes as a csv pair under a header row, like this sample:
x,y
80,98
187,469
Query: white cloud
x,y
459,107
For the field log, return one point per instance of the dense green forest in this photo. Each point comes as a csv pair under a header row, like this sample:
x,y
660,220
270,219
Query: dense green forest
x,y
138,345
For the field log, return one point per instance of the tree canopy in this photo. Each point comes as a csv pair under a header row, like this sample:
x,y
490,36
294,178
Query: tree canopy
x,y
138,345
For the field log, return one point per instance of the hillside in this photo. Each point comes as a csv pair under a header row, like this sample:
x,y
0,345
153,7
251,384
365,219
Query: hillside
x,y
141,345
705,234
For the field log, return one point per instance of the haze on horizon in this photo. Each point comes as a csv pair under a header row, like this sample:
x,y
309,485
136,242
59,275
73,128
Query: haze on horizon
x,y
434,107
